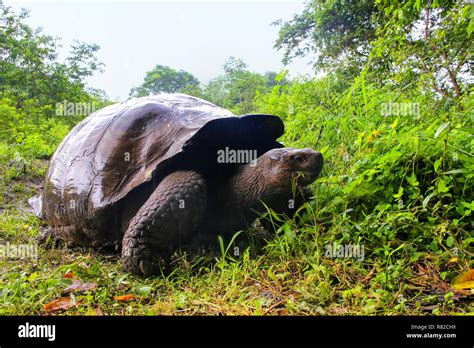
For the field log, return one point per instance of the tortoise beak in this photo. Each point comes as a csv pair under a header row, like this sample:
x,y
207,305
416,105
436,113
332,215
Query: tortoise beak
x,y
312,166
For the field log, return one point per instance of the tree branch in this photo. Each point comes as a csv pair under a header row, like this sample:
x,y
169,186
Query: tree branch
x,y
452,77
427,21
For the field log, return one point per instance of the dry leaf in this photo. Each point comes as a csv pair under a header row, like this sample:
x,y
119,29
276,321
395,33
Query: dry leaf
x,y
281,311
429,308
125,298
368,276
79,286
464,285
68,275
421,271
464,281
61,303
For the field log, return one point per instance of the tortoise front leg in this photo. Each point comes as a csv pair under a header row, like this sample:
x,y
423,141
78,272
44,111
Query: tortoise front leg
x,y
166,220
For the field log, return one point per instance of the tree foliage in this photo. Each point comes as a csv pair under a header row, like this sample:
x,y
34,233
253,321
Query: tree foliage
x,y
336,32
32,82
400,41
237,87
165,79
29,70
428,42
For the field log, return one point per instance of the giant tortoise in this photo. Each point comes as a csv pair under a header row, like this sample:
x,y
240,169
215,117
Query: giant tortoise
x,y
152,174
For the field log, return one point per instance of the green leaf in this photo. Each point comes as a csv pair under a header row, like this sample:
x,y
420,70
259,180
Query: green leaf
x,y
441,129
437,164
399,194
412,180
469,159
442,188
427,200
468,205
450,241
469,130
455,171
145,290
470,27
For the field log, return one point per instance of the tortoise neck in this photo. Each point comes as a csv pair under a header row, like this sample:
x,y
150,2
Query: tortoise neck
x,y
248,186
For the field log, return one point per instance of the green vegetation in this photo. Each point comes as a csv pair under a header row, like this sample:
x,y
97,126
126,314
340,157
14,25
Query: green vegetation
x,y
235,89
165,79
392,115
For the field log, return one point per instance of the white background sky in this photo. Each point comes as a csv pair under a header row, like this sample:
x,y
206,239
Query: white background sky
x,y
196,36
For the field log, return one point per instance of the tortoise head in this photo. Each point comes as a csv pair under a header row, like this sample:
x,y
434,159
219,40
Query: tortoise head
x,y
286,167
275,174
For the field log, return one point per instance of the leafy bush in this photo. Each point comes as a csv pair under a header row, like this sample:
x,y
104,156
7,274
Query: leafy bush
x,y
397,183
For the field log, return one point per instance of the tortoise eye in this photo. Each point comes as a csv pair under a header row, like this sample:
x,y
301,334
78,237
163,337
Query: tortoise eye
x,y
298,158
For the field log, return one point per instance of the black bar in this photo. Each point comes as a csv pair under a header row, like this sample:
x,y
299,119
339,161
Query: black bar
x,y
243,330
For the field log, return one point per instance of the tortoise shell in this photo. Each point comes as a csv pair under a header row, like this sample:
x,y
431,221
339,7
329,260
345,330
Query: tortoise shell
x,y
123,147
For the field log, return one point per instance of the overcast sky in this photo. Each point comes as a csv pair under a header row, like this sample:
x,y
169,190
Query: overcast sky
x,y
196,36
